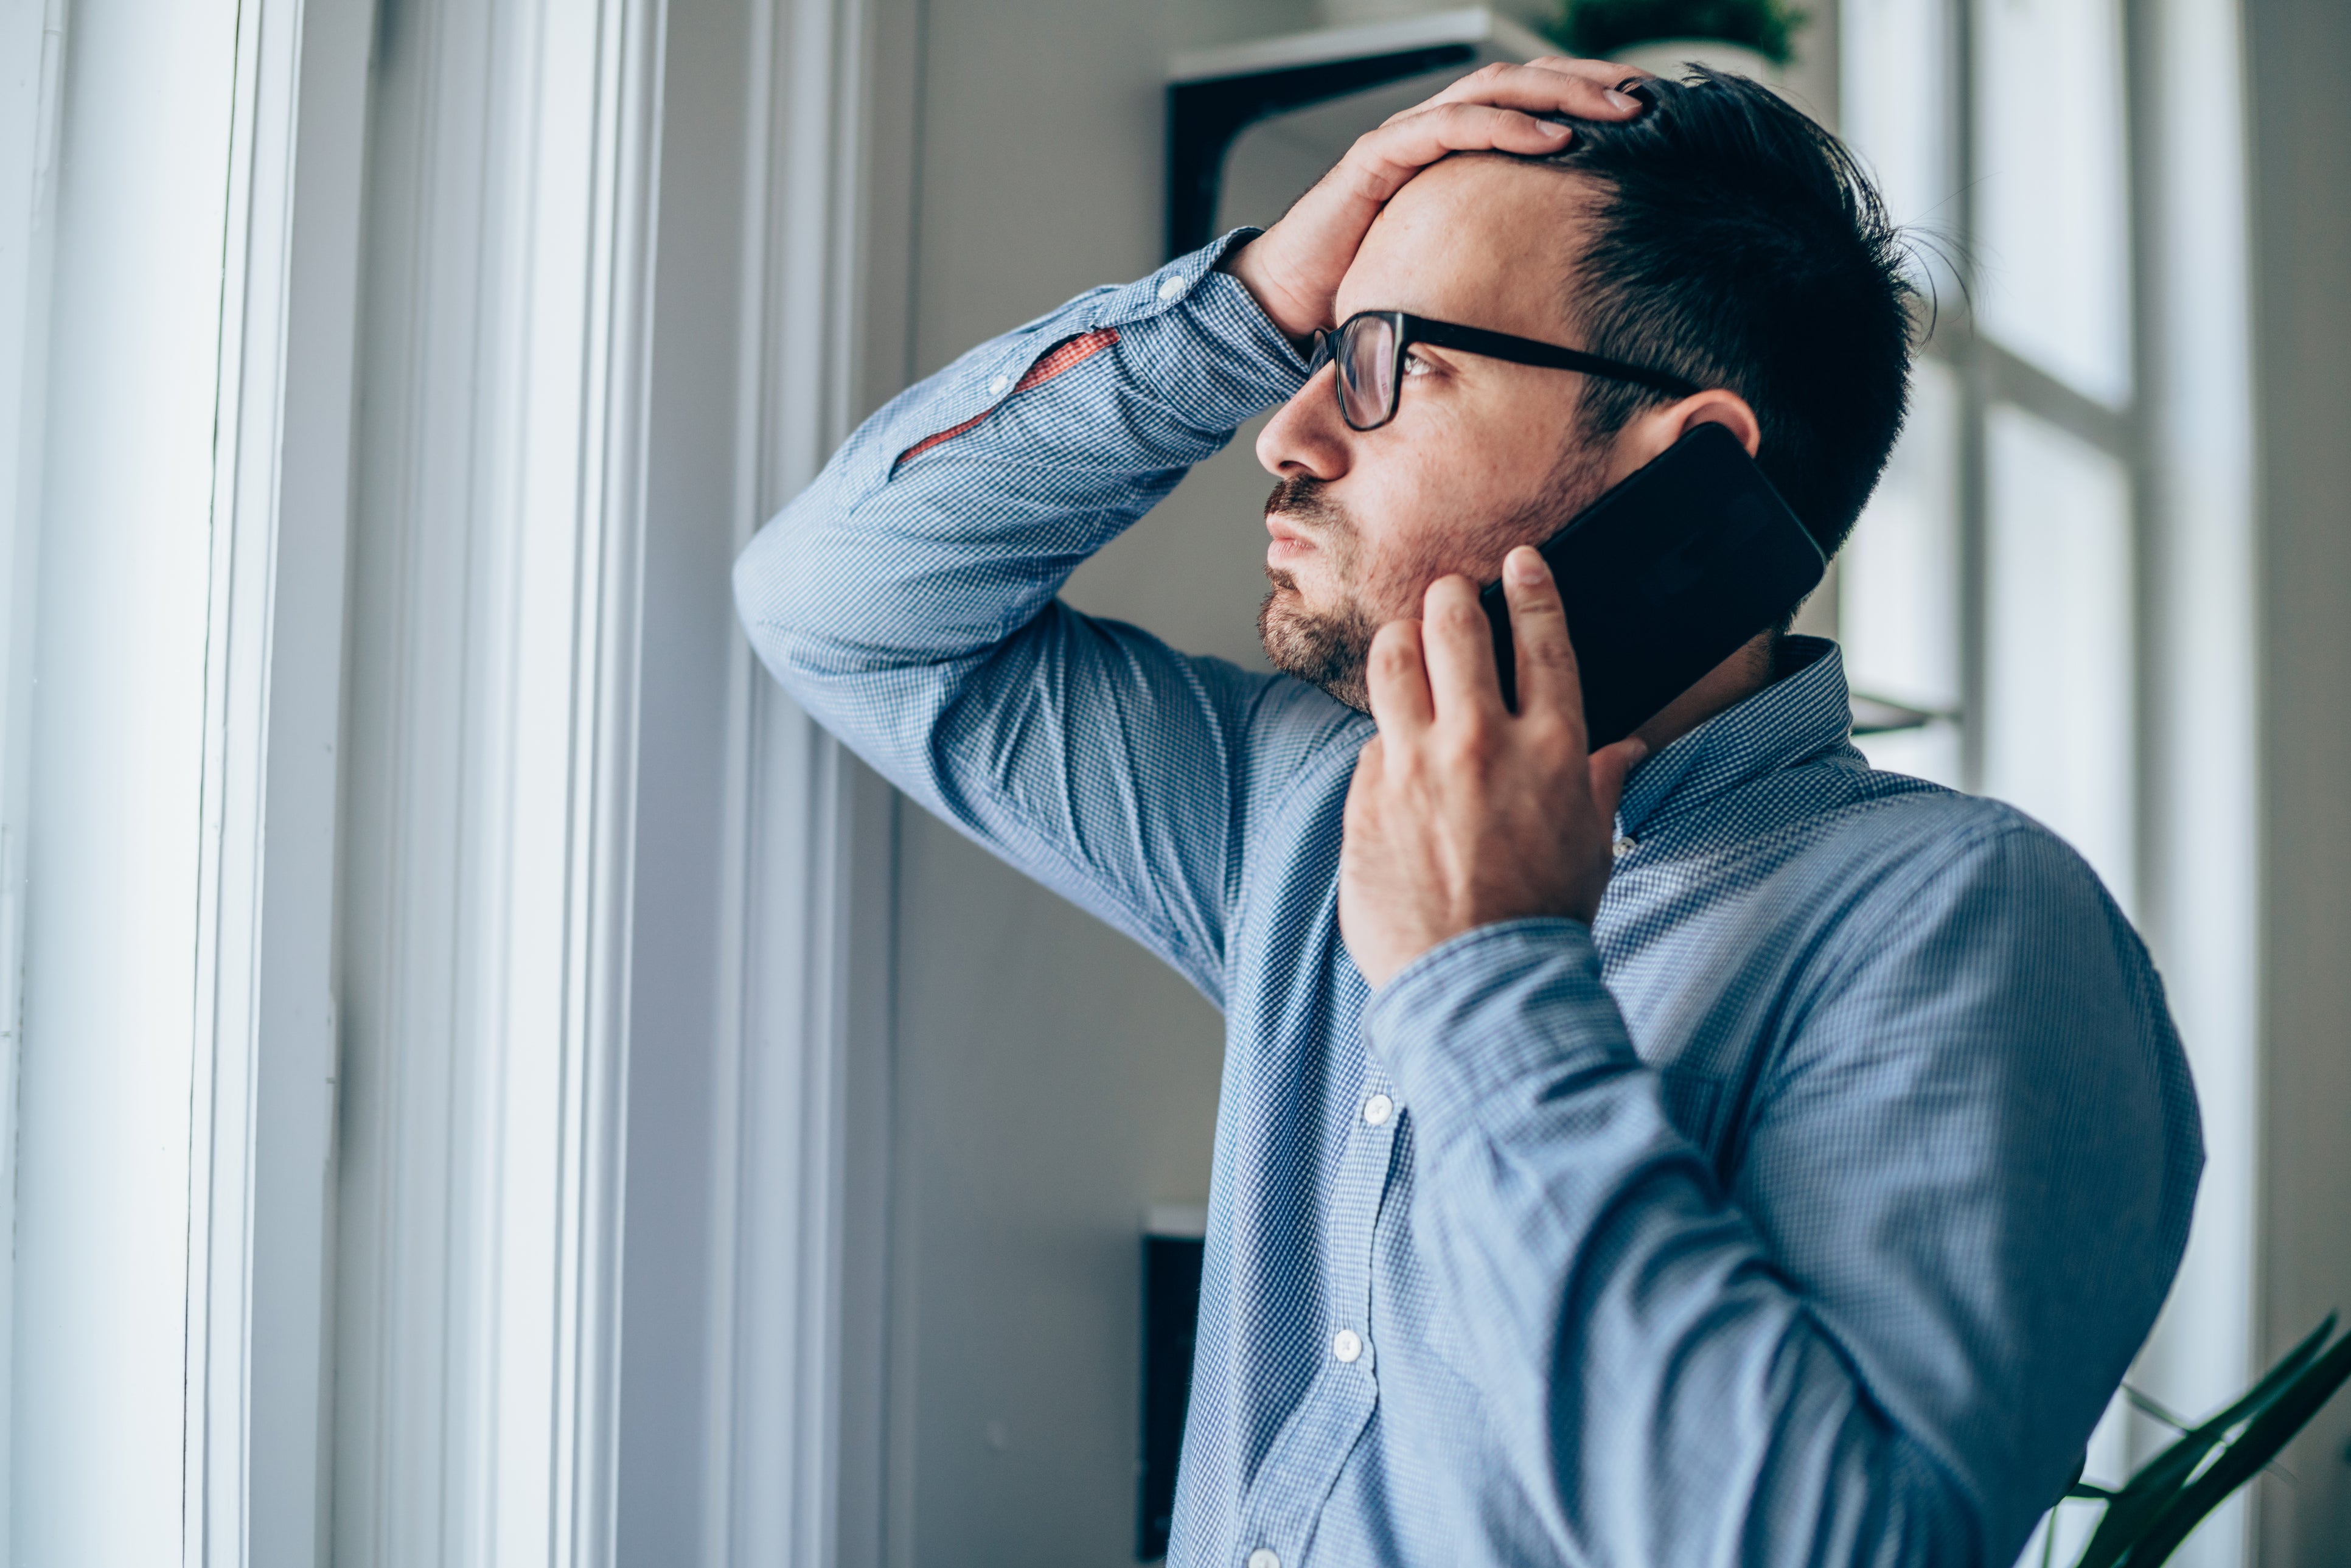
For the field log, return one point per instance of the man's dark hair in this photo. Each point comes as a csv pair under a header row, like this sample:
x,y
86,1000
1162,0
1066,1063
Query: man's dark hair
x,y
1737,243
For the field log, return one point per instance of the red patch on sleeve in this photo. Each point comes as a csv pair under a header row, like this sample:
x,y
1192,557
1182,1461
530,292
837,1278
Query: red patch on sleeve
x,y
1067,354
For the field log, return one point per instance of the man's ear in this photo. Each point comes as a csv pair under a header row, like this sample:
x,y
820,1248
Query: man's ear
x,y
1650,432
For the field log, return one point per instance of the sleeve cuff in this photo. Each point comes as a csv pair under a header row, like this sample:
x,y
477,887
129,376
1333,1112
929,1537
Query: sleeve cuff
x,y
1496,1021
1201,334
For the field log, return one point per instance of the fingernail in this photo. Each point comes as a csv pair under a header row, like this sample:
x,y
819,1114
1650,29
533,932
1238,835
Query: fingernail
x,y
1525,565
1622,99
1553,127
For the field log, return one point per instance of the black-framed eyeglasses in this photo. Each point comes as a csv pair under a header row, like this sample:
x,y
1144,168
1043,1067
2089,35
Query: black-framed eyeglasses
x,y
1369,348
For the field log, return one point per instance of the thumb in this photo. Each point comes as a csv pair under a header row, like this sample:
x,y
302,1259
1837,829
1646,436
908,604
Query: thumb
x,y
1611,764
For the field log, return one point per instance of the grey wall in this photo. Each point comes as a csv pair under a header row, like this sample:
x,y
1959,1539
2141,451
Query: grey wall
x,y
2298,61
1053,1080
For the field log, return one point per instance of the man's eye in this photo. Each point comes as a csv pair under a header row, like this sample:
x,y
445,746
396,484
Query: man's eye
x,y
1414,365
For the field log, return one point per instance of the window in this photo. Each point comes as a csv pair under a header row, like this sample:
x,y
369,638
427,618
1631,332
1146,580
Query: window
x,y
1992,580
2057,565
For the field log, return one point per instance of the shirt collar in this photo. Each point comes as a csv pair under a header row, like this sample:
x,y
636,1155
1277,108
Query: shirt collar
x,y
1800,717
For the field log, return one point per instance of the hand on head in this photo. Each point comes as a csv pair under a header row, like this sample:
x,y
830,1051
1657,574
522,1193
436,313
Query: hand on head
x,y
1295,267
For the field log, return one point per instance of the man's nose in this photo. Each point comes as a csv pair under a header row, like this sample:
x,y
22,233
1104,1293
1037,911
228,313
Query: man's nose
x,y
1306,437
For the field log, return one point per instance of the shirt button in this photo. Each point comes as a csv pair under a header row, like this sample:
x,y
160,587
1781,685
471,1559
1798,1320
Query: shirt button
x,y
1378,1109
1265,1557
996,388
1624,847
1168,289
1346,1344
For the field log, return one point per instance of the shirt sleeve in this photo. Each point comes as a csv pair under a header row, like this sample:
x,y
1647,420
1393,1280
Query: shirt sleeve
x,y
1959,1203
907,599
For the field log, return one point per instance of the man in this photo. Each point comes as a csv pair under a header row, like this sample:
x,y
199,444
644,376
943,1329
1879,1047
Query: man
x,y
1704,1151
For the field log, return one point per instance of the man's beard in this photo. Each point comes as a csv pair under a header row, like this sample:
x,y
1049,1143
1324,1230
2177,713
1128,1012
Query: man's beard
x,y
1329,649
1332,648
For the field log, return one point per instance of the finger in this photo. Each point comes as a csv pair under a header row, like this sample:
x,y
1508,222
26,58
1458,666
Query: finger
x,y
1381,161
1609,72
1610,766
1371,763
1399,680
1460,650
1585,89
1548,681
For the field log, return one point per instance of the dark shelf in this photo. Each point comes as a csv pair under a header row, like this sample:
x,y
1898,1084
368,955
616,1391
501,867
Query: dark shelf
x,y
1213,96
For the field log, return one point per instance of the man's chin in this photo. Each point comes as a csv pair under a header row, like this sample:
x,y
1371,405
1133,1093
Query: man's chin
x,y
1330,650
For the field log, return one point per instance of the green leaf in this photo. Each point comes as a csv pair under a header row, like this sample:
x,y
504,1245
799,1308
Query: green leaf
x,y
2268,1433
2146,1406
2158,1483
1604,26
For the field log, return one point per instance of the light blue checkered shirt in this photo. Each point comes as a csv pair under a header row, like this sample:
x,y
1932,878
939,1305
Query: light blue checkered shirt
x,y
1806,1209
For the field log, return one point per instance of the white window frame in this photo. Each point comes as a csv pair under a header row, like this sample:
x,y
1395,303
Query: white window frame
x,y
378,1294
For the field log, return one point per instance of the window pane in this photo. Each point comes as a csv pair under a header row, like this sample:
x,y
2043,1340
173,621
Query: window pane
x,y
2057,705
1898,584
1896,59
2052,222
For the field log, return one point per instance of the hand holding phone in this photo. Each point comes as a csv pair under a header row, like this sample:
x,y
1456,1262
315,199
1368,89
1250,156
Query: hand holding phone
x,y
1666,576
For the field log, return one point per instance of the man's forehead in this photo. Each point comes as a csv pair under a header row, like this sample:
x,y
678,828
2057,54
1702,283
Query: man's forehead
x,y
1484,241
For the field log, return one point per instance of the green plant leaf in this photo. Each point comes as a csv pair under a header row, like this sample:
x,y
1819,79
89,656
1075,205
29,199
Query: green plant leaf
x,y
2146,1406
1604,26
2261,1442
2158,1483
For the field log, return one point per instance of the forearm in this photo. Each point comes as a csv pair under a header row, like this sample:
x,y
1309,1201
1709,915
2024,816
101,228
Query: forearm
x,y
1670,1394
911,557
907,599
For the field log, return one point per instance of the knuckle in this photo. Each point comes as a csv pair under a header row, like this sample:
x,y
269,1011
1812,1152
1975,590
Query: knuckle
x,y
1471,742
1552,653
1456,612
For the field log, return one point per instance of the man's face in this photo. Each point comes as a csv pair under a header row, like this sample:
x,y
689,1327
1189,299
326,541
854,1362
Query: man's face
x,y
1482,454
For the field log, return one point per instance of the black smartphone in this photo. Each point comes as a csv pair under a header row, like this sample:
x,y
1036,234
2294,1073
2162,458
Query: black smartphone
x,y
1665,576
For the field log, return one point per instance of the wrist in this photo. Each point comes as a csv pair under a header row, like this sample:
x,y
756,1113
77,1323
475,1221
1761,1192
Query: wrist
x,y
1292,319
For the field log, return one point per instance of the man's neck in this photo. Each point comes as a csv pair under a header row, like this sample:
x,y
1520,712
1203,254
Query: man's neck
x,y
1731,682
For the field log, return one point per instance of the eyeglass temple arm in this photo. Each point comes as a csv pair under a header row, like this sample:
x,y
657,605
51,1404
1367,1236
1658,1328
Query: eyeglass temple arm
x,y
1526,351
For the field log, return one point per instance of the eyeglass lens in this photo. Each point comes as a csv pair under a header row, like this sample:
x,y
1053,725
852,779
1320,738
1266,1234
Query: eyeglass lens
x,y
1366,371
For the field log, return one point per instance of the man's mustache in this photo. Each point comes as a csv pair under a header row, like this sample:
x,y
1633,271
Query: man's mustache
x,y
1300,499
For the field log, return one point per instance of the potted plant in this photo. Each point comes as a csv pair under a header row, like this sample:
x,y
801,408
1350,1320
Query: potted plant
x,y
2147,1517
1753,37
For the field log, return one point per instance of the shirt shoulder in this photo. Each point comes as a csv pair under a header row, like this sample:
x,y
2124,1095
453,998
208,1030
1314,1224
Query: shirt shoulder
x,y
1947,837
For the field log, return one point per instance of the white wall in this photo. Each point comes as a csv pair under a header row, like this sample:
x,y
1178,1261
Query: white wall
x,y
103,1215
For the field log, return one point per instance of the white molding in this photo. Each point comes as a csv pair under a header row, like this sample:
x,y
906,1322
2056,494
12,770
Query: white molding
x,y
262,1114
490,818
797,1379
32,66
2200,758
